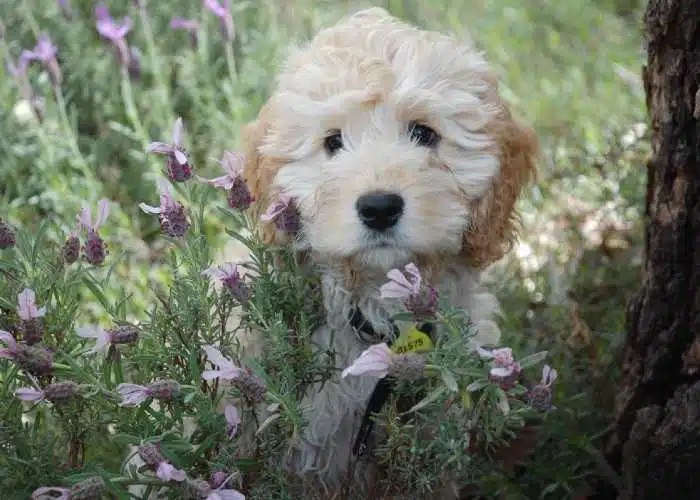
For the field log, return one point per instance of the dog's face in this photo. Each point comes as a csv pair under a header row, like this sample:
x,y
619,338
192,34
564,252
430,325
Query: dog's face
x,y
394,144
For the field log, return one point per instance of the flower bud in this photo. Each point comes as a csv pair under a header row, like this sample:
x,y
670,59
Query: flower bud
x,y
250,385
95,248
423,304
61,391
198,489
32,330
125,334
71,249
173,221
218,479
89,489
239,196
236,286
7,235
178,172
540,397
36,360
150,453
164,389
407,366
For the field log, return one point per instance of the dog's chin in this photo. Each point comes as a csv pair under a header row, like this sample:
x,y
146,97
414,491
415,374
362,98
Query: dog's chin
x,y
383,257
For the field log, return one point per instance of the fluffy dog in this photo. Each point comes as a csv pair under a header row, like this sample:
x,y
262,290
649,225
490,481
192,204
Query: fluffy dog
x,y
396,147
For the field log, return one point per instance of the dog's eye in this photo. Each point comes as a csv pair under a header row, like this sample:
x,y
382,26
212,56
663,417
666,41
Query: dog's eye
x,y
422,135
333,142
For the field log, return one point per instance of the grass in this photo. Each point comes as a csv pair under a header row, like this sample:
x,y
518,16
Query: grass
x,y
569,68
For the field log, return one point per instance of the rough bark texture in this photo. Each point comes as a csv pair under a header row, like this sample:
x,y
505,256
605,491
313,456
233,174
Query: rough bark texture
x,y
655,443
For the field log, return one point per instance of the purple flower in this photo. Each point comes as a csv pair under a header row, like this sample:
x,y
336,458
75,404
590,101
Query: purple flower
x,y
31,319
134,394
12,349
227,370
400,286
150,453
178,165
219,479
504,369
420,299
250,385
71,248
45,52
239,196
231,279
95,248
284,214
233,420
222,12
35,360
7,235
27,309
114,32
375,361
540,396
171,213
56,393
45,493
190,25
107,339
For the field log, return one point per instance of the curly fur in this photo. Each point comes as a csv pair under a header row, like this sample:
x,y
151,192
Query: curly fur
x,y
369,76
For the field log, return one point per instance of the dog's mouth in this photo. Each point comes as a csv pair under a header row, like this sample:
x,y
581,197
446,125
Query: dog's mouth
x,y
380,240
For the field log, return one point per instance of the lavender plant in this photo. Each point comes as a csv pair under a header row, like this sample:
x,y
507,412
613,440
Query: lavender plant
x,y
120,333
97,388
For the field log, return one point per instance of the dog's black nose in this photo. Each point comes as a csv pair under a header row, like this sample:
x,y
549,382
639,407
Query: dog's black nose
x,y
379,211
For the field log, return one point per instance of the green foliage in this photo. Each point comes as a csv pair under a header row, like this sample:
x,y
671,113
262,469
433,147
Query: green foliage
x,y
568,68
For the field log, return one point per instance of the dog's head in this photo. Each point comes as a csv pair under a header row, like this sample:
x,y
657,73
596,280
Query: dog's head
x,y
395,145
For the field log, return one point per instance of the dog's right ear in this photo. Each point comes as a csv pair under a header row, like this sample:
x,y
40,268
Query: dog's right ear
x,y
259,173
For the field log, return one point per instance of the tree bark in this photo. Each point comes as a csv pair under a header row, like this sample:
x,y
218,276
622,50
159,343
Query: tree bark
x,y
655,440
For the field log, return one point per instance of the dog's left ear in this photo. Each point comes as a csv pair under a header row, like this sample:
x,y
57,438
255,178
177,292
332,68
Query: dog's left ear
x,y
259,173
494,225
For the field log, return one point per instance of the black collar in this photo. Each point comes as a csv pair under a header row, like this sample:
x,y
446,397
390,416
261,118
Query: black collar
x,y
383,389
364,329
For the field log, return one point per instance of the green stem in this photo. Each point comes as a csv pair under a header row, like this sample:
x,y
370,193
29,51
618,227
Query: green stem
x,y
60,101
128,481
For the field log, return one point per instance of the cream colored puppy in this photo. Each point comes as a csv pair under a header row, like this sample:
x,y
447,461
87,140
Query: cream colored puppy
x,y
397,148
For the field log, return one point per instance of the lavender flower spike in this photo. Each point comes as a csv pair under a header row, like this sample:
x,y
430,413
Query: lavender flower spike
x,y
222,12
95,248
171,213
114,32
239,196
178,165
45,51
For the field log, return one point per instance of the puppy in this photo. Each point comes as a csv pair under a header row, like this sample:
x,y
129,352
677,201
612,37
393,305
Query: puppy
x,y
396,147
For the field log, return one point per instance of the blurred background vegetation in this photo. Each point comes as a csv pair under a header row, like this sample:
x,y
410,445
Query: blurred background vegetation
x,y
570,68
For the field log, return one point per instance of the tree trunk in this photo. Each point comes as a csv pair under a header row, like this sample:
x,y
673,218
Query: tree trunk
x,y
655,440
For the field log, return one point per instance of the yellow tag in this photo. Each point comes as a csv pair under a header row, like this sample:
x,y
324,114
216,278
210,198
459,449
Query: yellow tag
x,y
412,341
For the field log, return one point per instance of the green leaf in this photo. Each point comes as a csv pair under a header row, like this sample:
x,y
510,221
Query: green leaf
x,y
96,291
427,400
476,385
449,380
533,359
503,403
